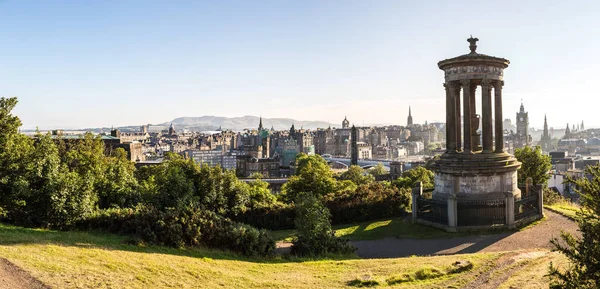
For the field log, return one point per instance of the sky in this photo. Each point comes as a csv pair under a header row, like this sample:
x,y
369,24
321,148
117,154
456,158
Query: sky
x,y
75,64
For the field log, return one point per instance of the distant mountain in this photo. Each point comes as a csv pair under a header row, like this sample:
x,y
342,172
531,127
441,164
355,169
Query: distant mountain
x,y
240,123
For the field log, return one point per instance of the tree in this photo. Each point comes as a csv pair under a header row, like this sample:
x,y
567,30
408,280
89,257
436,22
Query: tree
x,y
315,236
534,165
312,176
584,252
378,170
411,177
118,187
357,175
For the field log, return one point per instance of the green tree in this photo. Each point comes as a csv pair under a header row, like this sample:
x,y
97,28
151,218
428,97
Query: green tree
x,y
260,195
534,165
315,236
357,175
411,177
313,175
583,253
118,187
378,170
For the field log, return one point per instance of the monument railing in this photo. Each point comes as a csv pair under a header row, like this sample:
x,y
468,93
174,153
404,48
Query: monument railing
x,y
527,207
481,213
432,210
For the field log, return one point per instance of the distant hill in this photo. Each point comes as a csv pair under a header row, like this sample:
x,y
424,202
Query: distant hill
x,y
239,123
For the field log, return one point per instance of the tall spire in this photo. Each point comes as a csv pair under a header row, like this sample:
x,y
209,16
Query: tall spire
x,y
410,119
545,127
260,125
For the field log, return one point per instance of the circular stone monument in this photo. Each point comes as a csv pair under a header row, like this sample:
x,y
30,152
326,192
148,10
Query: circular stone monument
x,y
474,166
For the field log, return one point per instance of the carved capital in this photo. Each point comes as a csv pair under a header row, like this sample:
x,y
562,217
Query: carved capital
x,y
498,84
452,85
466,83
486,83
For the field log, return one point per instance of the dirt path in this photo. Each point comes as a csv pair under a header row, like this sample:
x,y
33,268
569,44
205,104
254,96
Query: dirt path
x,y
538,236
13,277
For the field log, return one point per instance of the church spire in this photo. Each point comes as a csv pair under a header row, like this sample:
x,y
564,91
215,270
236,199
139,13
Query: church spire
x,y
545,126
260,125
410,119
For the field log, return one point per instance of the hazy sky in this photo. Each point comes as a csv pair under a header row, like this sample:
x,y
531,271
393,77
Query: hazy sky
x,y
103,63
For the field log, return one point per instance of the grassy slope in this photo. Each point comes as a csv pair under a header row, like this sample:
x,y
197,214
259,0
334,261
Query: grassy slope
x,y
393,227
94,260
565,208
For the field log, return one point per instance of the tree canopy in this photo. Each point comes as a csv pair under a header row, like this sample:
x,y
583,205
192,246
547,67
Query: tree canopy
x,y
534,165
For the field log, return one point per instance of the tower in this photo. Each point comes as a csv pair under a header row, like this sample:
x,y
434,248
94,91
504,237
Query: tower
x,y
353,147
567,132
345,123
409,121
172,130
582,127
260,125
522,127
545,140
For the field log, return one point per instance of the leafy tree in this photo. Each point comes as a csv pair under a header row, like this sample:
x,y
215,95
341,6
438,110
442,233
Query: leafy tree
x,y
583,253
534,165
378,170
315,236
411,177
118,187
357,175
312,176
260,195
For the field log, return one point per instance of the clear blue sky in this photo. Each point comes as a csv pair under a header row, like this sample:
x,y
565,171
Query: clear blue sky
x,y
103,63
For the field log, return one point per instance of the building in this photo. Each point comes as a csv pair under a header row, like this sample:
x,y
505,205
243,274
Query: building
x,y
409,120
247,166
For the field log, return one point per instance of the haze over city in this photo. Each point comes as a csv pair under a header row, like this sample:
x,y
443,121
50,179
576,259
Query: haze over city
x,y
79,64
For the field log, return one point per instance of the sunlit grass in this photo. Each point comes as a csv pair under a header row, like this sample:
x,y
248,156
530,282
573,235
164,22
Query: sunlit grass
x,y
565,208
96,260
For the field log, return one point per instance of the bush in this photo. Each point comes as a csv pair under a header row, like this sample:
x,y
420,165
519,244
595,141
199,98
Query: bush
x,y
368,202
315,236
185,227
277,217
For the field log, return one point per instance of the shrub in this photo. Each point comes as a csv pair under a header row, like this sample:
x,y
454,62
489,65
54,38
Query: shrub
x,y
368,202
184,227
315,236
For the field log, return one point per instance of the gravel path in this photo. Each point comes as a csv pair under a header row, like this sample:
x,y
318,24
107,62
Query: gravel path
x,y
538,236
13,277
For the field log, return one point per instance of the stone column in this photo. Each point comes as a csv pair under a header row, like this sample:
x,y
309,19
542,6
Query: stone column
x,y
466,85
498,115
486,113
457,120
540,191
452,217
450,119
510,210
417,191
474,123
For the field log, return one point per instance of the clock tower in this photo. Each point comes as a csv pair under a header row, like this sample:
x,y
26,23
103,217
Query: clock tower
x,y
522,137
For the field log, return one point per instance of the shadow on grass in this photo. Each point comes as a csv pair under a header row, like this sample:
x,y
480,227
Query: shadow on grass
x,y
13,235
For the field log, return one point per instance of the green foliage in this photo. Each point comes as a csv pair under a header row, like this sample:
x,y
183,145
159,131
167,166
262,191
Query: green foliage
x,y
378,170
365,281
183,227
583,253
410,178
313,175
534,165
368,202
357,175
315,236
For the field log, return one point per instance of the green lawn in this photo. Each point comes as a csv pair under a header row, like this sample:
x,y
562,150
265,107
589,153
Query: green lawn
x,y
565,208
392,227
96,260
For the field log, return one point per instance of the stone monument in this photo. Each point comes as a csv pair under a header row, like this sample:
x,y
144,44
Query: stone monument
x,y
468,170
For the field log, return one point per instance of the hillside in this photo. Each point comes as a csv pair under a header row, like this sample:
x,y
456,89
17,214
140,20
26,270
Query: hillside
x,y
240,123
94,260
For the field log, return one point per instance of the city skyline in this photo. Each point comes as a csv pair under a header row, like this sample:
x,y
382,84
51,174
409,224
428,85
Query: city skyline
x,y
100,64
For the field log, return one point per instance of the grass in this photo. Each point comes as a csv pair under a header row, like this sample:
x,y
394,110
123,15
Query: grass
x,y
96,260
565,208
372,230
